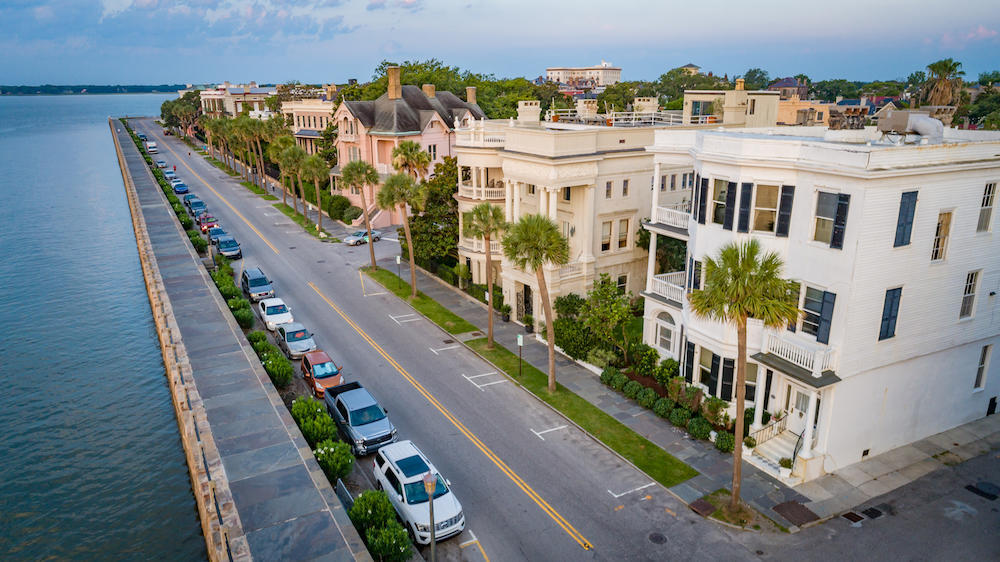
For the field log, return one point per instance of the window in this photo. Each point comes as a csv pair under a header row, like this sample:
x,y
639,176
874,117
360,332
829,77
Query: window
x,y
890,310
624,188
605,236
826,212
607,190
665,332
697,275
969,295
673,182
751,383
753,106
709,376
940,246
986,210
432,149
719,202
801,401
531,189
765,212
819,116
566,194
904,223
984,361
622,283
812,308
622,233
663,182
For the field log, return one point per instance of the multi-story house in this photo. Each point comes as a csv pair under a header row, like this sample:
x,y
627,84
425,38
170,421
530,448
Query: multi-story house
x,y
370,130
308,118
231,100
597,76
894,248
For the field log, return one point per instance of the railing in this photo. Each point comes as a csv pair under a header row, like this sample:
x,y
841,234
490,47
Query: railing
x,y
384,168
672,217
813,360
473,192
478,245
670,118
349,137
770,430
480,134
670,285
704,119
798,447
571,270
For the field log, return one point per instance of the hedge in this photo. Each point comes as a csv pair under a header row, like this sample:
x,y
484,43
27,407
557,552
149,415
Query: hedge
x,y
632,389
336,206
371,509
725,442
679,416
335,458
662,407
244,317
699,428
350,214
647,397
390,543
572,337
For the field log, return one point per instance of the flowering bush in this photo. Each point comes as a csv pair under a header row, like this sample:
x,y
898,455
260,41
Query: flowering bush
x,y
306,407
334,458
371,509
389,543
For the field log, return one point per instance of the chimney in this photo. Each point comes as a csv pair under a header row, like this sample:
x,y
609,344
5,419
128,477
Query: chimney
x,y
395,90
470,94
739,83
429,90
529,111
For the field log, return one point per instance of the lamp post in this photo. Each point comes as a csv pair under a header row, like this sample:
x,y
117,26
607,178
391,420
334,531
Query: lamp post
x,y
430,481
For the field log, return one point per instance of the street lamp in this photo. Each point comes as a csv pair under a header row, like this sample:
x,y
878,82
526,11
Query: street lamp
x,y
430,481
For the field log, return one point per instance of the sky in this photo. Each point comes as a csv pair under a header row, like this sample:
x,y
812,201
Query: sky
x,y
318,41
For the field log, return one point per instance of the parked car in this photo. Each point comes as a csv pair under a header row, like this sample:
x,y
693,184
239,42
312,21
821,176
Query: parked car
x,y
176,181
197,207
399,469
166,132
320,372
161,163
180,188
229,247
294,339
255,284
363,423
273,312
214,233
361,237
206,221
169,174
188,198
142,136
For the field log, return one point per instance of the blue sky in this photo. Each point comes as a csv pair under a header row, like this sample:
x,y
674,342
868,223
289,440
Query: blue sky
x,y
185,41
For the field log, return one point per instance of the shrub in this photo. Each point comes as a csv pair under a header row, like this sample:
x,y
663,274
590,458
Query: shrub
x,y
335,458
372,509
600,357
675,389
618,381
699,428
573,337
448,276
478,292
607,374
691,398
712,409
644,359
390,543
785,462
724,441
244,317
305,407
265,348
279,369
173,200
569,306
238,304
668,369
223,265
256,337
647,397
199,243
632,389
229,290
178,209
662,407
318,429
749,442
186,222
350,214
679,416
336,206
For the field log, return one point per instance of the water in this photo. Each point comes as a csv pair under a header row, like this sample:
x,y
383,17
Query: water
x,y
91,464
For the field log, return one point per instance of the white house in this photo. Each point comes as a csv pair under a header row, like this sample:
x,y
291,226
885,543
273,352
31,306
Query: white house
x,y
894,246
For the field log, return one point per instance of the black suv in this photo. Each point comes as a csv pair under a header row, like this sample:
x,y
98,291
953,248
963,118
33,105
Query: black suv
x,y
256,285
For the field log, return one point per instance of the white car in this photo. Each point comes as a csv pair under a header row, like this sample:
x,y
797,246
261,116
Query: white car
x,y
273,312
161,163
399,469
175,182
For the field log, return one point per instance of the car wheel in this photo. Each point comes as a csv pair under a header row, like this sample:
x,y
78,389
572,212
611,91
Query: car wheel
x,y
377,238
413,536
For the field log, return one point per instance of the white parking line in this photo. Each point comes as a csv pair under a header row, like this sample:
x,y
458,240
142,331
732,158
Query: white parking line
x,y
539,433
404,318
616,496
482,386
443,348
473,540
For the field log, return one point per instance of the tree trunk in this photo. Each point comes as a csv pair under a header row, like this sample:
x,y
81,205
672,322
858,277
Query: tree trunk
x,y
489,292
409,247
260,164
543,291
741,391
319,207
284,189
302,195
295,200
368,225
246,166
211,147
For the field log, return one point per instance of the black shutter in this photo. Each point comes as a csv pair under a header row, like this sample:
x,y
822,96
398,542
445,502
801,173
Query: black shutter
x,y
713,376
890,310
840,221
727,379
785,210
904,224
697,275
689,363
767,389
695,199
825,317
745,194
703,194
727,221
690,273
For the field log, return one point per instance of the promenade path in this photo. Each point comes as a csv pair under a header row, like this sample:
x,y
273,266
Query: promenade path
x,y
286,508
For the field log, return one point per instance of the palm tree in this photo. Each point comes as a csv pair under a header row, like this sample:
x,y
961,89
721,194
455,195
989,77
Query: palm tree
x,y
208,125
944,81
274,150
241,130
409,158
316,167
741,283
529,244
293,157
398,191
484,222
358,174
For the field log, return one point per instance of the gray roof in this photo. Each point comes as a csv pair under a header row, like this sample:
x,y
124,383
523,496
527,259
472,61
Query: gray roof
x,y
308,133
411,112
826,378
252,91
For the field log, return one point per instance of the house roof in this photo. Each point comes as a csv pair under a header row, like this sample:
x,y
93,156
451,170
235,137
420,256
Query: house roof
x,y
251,91
307,133
787,82
690,65
826,378
411,112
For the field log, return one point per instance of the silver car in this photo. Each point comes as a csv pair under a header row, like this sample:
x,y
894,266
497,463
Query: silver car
x,y
361,237
294,339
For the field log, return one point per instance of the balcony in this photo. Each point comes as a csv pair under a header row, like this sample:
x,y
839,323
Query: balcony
x,y
815,359
479,246
481,134
384,169
569,271
672,217
484,193
669,286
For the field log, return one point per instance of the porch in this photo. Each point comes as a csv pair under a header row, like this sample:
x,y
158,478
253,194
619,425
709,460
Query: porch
x,y
670,221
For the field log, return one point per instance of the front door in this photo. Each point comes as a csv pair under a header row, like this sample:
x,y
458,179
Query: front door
x,y
797,405
528,301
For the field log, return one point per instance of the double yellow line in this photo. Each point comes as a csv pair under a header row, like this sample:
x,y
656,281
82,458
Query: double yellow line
x,y
583,542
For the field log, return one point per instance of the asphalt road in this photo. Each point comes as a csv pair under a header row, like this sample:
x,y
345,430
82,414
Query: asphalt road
x,y
561,496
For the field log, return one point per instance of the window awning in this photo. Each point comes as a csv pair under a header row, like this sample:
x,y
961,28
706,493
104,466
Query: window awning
x,y
825,379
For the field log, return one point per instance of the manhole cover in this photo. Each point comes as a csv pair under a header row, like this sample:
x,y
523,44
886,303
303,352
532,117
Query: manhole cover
x,y
449,341
657,538
795,513
477,334
853,517
872,513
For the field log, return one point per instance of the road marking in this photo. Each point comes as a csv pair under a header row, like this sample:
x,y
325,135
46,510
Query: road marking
x,y
619,508
364,292
518,481
616,496
647,497
476,542
404,318
482,387
667,509
443,349
470,541
539,433
239,214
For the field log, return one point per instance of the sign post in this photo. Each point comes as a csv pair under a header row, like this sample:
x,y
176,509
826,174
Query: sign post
x,y
520,346
398,274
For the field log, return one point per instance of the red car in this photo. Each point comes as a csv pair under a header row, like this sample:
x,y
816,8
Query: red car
x,y
207,221
320,372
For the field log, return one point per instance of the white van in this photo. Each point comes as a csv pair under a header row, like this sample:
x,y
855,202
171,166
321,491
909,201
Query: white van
x,y
151,147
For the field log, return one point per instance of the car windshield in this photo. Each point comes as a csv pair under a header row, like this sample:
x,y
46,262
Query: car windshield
x,y
327,369
226,244
359,234
277,309
367,415
197,205
258,281
415,492
297,335
216,231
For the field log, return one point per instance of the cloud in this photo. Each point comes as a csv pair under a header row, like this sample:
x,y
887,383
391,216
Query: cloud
x,y
959,40
111,8
410,5
43,13
376,5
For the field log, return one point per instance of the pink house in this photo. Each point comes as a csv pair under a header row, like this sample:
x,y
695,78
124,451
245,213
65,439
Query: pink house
x,y
370,130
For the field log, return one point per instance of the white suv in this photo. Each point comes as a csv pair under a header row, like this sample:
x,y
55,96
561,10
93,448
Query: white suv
x,y
399,469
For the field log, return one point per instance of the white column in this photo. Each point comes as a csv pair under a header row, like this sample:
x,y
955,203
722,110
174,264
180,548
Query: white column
x,y
516,213
807,436
651,262
543,200
656,192
585,224
554,205
474,173
508,203
758,399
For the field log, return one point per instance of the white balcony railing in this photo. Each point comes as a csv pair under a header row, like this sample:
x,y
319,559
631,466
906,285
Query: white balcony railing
x,y
479,246
813,359
384,168
473,192
481,134
669,285
570,270
672,217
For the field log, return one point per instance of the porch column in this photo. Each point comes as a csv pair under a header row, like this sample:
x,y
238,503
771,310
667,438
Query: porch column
x,y
586,223
516,213
656,192
758,399
482,183
553,205
474,172
508,204
543,201
651,262
807,436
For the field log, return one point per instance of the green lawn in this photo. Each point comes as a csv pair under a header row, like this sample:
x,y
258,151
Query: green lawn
x,y
305,223
451,322
654,461
221,165
259,191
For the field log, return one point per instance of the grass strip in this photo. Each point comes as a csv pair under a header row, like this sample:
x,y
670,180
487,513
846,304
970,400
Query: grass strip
x,y
747,517
451,322
305,223
221,165
651,459
259,191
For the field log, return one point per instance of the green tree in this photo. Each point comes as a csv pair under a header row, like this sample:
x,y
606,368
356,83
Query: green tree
x,y
327,144
529,244
988,79
360,174
944,81
607,312
756,79
315,167
409,158
487,221
671,85
742,282
275,149
293,158
670,252
398,191
829,90
616,97
435,231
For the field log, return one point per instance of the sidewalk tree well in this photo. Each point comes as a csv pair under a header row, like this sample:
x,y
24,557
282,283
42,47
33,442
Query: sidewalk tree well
x,y
487,221
742,282
400,191
360,174
316,168
529,244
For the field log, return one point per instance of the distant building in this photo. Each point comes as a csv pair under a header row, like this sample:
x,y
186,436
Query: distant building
x,y
307,118
585,77
231,100
738,107
789,87
691,68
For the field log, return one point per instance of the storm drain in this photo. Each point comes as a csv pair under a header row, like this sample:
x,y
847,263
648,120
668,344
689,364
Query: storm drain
x,y
986,490
320,261
657,538
872,513
449,341
853,517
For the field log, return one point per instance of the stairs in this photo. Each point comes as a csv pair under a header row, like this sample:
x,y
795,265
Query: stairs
x,y
773,450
